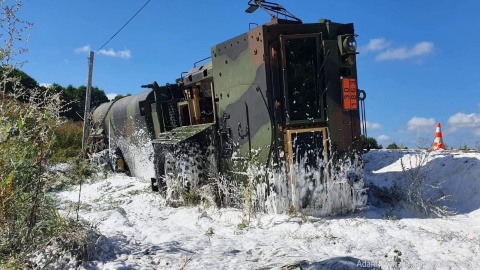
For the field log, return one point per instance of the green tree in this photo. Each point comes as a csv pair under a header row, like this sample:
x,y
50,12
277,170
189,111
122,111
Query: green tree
x,y
97,95
15,76
393,146
371,142
75,98
117,97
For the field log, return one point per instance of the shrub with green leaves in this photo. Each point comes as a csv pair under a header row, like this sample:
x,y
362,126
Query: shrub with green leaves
x,y
27,136
29,118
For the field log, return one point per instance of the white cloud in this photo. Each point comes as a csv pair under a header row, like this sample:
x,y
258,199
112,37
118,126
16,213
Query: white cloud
x,y
371,125
383,138
421,124
420,49
46,85
376,44
83,49
111,96
466,121
125,54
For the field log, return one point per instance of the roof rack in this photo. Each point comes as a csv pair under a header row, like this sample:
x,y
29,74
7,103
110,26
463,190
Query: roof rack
x,y
273,9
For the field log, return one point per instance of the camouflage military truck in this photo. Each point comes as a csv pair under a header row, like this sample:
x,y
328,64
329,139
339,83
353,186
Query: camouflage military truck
x,y
282,96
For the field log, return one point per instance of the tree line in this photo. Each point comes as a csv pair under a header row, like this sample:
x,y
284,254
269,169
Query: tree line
x,y
71,95
373,144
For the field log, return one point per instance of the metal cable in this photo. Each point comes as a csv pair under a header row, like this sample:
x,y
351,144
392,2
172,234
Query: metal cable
x,y
363,119
123,26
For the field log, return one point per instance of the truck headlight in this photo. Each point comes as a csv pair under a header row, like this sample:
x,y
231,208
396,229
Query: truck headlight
x,y
350,44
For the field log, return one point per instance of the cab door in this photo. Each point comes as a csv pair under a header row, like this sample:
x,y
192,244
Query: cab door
x,y
302,82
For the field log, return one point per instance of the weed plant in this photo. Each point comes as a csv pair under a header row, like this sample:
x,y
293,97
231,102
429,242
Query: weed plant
x,y
415,192
31,134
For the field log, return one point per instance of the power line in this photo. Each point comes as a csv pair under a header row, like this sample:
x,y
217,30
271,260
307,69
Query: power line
x,y
123,26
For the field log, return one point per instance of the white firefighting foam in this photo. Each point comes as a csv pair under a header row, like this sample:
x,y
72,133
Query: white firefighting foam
x,y
137,151
317,192
140,232
182,173
330,188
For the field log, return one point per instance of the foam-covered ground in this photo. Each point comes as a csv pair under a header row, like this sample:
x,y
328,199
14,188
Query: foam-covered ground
x,y
141,233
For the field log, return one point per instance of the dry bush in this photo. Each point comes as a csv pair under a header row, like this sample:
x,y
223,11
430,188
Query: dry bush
x,y
26,143
417,188
32,132
28,121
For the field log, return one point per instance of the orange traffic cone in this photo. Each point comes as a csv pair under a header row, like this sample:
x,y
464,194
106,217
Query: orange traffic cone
x,y
438,142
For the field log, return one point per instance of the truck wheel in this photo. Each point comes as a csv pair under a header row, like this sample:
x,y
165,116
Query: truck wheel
x,y
166,168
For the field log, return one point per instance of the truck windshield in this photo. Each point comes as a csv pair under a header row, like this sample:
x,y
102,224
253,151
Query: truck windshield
x,y
301,74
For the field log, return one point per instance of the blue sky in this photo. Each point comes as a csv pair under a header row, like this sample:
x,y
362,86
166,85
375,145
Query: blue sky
x,y
418,61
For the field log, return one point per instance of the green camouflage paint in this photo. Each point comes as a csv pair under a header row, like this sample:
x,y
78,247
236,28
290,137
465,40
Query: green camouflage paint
x,y
260,89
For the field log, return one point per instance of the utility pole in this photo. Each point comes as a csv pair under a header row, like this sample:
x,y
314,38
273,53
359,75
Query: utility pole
x,y
86,123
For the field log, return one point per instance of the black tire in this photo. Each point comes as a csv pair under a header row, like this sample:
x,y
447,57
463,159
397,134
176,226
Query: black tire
x,y
164,164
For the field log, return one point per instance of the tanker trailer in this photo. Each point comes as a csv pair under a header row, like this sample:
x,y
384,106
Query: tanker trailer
x,y
126,127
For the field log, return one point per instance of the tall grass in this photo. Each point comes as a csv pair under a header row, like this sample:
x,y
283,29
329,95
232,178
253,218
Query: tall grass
x,y
32,134
68,141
